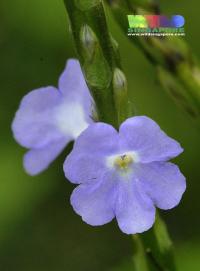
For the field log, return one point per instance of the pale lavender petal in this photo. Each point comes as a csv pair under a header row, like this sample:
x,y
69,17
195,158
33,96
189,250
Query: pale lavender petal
x,y
37,160
88,157
82,168
94,201
143,135
73,86
163,182
98,139
135,212
70,118
33,125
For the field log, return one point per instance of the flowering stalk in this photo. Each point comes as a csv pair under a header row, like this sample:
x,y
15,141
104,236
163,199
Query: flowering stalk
x,y
98,55
172,57
99,59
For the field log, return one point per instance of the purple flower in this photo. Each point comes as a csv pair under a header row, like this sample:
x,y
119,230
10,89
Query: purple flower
x,y
49,118
124,174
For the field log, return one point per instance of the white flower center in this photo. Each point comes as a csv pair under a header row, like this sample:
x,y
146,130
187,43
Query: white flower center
x,y
122,162
70,118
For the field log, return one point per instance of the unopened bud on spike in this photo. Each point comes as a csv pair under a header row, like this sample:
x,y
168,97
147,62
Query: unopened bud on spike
x,y
120,94
119,80
88,40
114,43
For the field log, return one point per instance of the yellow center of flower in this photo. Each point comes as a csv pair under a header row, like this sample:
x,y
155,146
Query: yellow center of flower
x,y
123,161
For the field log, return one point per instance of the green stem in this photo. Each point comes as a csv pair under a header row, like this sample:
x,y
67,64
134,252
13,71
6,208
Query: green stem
x,y
159,247
172,55
98,55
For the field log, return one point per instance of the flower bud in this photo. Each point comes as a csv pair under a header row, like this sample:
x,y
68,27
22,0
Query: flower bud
x,y
120,94
88,40
119,80
114,43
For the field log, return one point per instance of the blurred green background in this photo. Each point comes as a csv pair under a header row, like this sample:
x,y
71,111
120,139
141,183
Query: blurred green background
x,y
38,228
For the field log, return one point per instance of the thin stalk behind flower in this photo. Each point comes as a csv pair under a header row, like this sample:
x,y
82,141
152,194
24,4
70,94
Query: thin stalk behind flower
x,y
99,58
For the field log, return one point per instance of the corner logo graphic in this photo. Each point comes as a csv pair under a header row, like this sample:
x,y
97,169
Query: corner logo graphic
x,y
156,25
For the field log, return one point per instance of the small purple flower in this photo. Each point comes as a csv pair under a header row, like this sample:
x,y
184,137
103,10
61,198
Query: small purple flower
x,y
124,174
49,118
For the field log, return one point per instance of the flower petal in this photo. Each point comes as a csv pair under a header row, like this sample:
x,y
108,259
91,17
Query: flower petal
x,y
94,201
98,139
135,212
73,86
70,118
88,157
81,168
32,125
143,135
164,183
37,160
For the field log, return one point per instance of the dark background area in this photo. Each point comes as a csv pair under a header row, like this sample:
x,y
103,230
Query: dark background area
x,y
38,228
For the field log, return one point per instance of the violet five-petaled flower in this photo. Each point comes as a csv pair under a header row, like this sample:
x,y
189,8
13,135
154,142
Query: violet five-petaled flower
x,y
124,174
49,118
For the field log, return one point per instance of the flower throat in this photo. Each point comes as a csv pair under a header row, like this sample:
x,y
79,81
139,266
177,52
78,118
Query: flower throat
x,y
123,161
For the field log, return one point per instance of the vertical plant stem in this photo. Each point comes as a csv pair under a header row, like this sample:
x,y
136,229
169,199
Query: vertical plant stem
x,y
158,247
98,55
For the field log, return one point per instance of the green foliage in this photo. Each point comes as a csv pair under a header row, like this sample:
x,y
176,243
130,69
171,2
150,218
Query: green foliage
x,y
86,4
173,55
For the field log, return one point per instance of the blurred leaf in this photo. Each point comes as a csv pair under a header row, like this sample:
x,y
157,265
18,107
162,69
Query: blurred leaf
x,y
138,261
188,255
44,20
19,193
